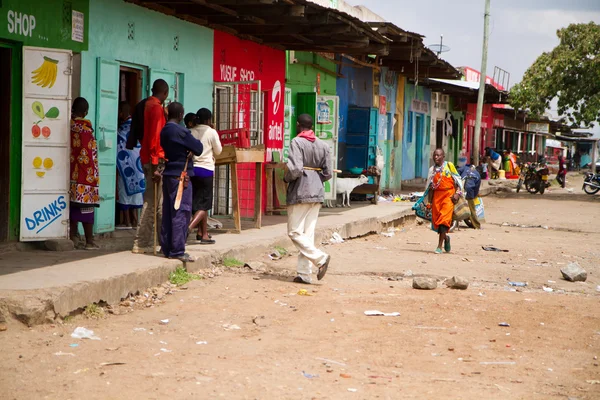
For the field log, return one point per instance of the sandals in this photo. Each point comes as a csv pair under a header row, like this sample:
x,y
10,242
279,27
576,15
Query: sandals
x,y
299,279
438,251
207,241
323,268
91,246
447,244
185,257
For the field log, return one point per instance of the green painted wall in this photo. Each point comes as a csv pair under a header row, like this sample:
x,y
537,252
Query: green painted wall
x,y
152,46
47,23
301,77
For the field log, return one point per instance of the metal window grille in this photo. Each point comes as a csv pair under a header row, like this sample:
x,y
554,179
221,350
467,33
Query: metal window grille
x,y
237,105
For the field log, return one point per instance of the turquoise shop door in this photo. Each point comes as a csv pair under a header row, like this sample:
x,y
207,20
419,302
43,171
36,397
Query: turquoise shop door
x,y
107,107
172,80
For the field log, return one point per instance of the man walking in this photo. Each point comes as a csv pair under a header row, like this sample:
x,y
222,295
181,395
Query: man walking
x,y
152,157
179,146
307,168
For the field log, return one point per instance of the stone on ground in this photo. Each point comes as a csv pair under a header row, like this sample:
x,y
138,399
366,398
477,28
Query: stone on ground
x,y
457,282
424,283
574,273
59,245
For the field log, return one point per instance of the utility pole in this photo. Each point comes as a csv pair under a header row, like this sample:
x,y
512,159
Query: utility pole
x,y
482,79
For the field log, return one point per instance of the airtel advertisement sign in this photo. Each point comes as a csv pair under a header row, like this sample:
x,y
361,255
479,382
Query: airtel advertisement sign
x,y
237,60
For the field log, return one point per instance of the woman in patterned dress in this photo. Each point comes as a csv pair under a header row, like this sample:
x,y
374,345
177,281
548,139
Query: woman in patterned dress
x,y
84,193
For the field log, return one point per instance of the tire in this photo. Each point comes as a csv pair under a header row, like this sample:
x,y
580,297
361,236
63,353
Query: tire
x,y
533,186
590,190
519,184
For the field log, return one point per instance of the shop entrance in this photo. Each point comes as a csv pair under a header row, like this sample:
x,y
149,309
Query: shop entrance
x,y
131,84
5,136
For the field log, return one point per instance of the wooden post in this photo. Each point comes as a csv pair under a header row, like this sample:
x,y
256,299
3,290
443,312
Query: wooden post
x,y
258,195
237,220
270,172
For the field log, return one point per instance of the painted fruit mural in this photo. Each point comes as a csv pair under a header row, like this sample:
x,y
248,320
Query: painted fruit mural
x,y
38,163
45,75
38,109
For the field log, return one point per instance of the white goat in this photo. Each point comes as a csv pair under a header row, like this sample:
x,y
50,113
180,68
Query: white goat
x,y
345,186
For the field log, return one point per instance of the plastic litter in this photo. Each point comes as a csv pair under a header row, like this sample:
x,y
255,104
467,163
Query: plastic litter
x,y
166,350
60,353
275,255
82,333
391,232
488,248
328,361
303,292
230,327
504,324
309,376
139,329
518,284
336,238
73,345
352,390
377,313
548,289
202,342
164,321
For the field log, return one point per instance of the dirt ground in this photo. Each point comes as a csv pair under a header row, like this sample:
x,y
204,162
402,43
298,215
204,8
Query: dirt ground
x,y
445,343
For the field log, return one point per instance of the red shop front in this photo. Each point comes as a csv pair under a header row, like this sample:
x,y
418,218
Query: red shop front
x,y
249,94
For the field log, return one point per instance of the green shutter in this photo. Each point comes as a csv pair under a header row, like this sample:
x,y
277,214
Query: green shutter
x,y
107,106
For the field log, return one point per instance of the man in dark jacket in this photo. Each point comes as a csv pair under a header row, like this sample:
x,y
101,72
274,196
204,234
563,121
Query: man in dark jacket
x,y
179,145
308,166
472,183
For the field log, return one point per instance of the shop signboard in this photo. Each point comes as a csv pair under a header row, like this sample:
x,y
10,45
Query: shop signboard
x,y
46,143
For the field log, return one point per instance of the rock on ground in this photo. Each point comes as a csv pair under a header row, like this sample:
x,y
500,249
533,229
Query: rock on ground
x,y
457,282
59,245
424,283
574,273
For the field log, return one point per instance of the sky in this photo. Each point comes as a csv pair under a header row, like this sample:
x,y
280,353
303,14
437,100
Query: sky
x,y
520,30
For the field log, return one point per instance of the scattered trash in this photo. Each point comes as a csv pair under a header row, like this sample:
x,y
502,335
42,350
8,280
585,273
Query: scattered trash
x,y
81,370
593,382
391,232
139,329
112,348
107,364
497,363
303,292
309,376
275,255
549,281
377,313
82,333
166,350
524,226
408,273
504,324
345,376
60,353
164,321
73,345
163,342
574,273
230,327
336,238
488,248
598,288
465,259
330,361
481,294
202,342
518,284
548,289
352,390
532,259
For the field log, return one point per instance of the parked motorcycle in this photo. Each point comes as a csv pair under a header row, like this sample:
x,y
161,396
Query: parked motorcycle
x,y
591,183
534,177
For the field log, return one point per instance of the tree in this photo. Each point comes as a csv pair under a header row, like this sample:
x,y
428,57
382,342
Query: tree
x,y
570,73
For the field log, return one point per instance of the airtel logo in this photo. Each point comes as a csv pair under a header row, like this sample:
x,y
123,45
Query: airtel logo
x,y
276,97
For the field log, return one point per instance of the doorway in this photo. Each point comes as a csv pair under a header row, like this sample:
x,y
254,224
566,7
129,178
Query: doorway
x,y
5,137
439,134
131,84
419,148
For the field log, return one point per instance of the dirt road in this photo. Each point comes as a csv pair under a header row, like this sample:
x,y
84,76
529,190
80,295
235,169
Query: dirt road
x,y
445,344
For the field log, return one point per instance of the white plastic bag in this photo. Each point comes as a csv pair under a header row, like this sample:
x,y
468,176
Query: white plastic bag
x,y
82,333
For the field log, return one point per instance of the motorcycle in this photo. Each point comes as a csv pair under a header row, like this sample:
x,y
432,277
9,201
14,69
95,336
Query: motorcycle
x,y
591,183
527,172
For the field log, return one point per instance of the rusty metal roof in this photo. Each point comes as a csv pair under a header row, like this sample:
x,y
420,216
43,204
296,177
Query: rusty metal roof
x,y
284,24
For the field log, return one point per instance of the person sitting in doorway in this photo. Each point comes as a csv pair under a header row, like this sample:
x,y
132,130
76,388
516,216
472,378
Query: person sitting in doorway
x,y
84,194
131,183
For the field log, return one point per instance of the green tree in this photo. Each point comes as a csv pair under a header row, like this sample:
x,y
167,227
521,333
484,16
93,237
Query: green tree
x,y
570,73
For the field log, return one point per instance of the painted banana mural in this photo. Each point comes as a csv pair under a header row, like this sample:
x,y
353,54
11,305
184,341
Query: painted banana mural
x,y
45,75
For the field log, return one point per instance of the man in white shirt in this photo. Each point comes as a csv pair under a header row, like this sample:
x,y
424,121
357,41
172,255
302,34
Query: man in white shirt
x,y
204,171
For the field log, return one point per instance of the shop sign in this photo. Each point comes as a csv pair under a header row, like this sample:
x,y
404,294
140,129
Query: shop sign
x,y
46,24
419,106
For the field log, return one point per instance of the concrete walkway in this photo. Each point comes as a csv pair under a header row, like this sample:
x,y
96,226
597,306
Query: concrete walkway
x,y
38,286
